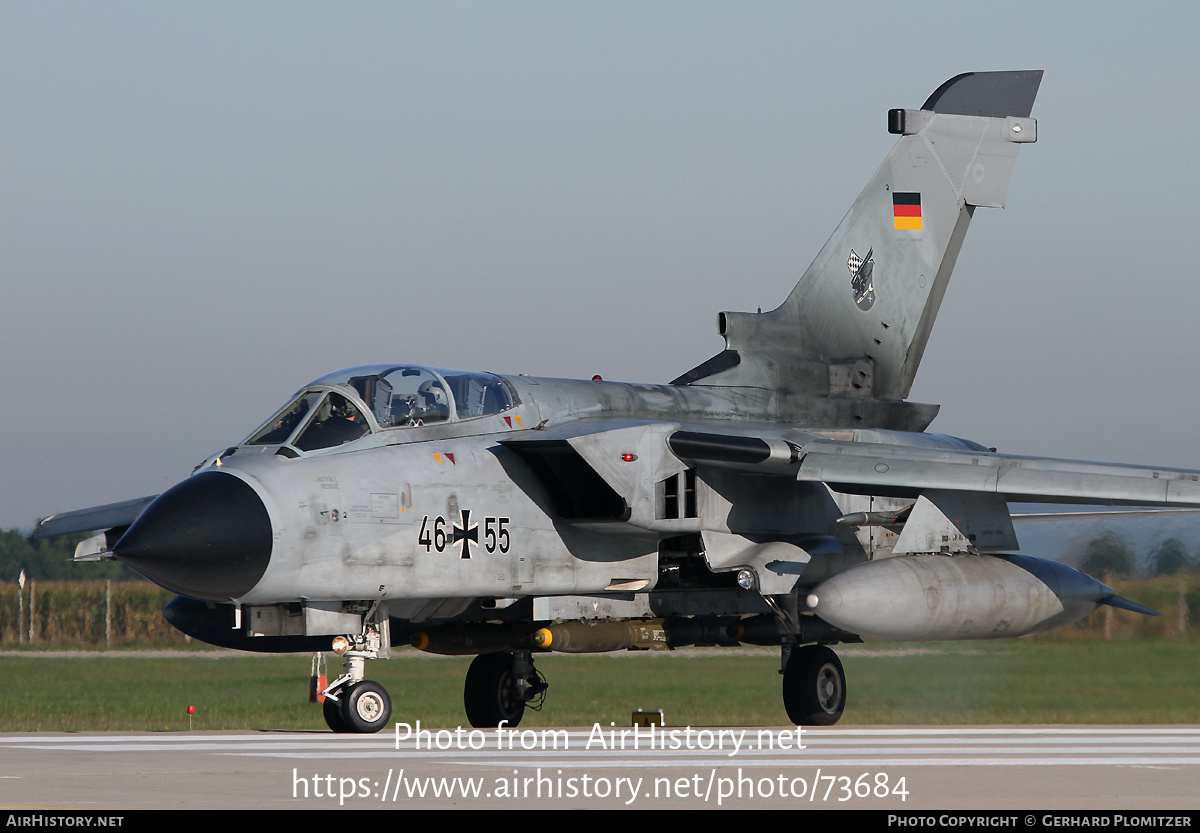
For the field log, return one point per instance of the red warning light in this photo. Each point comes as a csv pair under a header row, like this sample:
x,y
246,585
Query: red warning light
x,y
628,458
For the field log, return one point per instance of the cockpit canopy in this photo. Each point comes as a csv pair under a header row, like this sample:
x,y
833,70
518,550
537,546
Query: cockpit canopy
x,y
349,404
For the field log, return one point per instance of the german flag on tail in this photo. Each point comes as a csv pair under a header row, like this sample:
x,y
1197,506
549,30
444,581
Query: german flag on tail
x,y
906,210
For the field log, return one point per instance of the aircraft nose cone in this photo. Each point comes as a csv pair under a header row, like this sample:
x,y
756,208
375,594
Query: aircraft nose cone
x,y
208,537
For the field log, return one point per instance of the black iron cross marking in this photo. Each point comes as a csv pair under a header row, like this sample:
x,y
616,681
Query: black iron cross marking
x,y
466,533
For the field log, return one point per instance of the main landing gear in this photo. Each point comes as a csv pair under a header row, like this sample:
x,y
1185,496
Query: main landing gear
x,y
499,687
814,686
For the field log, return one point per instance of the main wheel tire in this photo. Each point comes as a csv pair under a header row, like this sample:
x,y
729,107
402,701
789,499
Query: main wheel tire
x,y
366,707
332,709
814,687
489,694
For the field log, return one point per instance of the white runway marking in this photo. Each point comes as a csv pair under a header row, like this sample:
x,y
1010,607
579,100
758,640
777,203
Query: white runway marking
x,y
1094,746
1117,767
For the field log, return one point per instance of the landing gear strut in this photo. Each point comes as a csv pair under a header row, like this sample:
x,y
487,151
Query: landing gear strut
x,y
498,688
814,686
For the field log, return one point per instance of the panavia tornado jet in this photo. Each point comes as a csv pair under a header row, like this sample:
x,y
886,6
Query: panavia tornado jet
x,y
784,492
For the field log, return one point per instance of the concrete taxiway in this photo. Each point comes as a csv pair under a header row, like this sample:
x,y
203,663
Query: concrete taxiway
x,y
910,768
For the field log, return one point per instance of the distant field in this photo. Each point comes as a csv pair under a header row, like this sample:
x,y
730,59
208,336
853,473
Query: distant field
x,y
1043,680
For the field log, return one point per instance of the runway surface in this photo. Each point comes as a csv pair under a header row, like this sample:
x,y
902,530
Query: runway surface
x,y
912,768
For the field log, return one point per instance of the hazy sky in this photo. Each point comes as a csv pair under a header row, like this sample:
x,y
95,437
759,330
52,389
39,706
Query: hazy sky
x,y
206,205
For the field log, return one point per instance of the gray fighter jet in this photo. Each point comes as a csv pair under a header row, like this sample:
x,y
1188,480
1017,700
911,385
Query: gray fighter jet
x,y
783,492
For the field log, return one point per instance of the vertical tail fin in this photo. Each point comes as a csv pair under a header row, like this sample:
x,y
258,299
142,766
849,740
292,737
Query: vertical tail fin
x,y
857,323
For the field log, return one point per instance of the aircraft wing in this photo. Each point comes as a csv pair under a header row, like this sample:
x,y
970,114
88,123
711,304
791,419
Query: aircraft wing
x,y
97,517
899,471
1026,517
906,471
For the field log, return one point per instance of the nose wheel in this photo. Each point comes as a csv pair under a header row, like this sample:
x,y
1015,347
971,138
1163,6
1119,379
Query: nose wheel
x,y
814,687
361,708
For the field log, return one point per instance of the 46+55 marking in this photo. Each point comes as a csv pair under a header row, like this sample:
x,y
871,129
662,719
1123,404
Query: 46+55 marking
x,y
433,536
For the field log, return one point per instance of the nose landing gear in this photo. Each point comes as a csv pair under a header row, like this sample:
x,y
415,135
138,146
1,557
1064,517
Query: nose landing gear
x,y
353,704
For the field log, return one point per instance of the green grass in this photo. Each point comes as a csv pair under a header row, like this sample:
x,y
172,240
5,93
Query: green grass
x,y
1043,680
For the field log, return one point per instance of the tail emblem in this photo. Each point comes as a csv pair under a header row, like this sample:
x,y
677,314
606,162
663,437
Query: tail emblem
x,y
860,280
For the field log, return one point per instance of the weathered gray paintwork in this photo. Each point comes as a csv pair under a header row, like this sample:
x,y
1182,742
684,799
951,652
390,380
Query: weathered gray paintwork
x,y
782,492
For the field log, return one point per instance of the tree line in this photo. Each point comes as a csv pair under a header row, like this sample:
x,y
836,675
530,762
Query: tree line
x,y
1110,554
